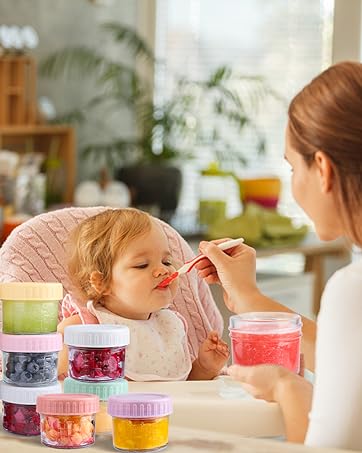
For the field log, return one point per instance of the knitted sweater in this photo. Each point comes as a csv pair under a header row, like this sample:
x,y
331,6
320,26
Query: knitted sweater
x,y
35,251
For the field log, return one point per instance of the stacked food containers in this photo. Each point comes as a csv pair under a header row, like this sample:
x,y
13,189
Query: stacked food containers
x,y
30,348
96,365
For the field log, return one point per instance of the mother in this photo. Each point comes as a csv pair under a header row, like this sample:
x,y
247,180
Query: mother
x,y
324,150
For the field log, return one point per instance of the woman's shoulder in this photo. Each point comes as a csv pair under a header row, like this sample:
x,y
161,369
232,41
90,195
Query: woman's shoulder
x,y
352,273
344,287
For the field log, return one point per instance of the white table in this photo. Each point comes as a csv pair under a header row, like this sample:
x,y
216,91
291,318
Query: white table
x,y
198,404
182,440
203,422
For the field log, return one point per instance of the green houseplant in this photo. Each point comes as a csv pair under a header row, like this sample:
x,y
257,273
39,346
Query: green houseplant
x,y
166,133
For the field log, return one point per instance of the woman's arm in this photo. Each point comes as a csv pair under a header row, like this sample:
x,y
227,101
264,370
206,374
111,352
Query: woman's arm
x,y
294,395
274,383
236,272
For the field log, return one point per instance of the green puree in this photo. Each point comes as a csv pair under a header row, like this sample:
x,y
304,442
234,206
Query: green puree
x,y
30,316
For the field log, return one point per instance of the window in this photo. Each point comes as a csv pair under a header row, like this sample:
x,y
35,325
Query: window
x,y
286,41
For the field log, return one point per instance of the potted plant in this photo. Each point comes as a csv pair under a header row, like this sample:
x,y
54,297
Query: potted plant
x,y
167,133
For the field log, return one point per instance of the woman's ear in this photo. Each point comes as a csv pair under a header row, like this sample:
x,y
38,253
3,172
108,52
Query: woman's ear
x,y
96,281
325,170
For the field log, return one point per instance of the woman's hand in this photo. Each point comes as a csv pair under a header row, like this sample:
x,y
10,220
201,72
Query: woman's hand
x,y
234,270
261,381
275,383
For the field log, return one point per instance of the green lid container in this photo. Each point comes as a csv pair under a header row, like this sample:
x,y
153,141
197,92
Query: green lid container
x,y
29,307
103,389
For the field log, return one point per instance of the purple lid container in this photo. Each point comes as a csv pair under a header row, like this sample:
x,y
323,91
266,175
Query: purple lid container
x,y
139,405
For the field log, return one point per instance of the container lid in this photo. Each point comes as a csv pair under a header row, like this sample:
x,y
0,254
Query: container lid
x,y
67,404
97,335
265,322
31,291
25,395
31,343
102,389
140,405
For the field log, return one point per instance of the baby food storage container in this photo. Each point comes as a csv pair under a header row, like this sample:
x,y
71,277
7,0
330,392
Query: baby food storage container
x,y
103,390
140,421
67,420
96,352
266,337
30,308
30,360
19,408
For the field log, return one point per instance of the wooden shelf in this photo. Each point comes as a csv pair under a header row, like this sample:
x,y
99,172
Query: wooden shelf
x,y
55,140
17,90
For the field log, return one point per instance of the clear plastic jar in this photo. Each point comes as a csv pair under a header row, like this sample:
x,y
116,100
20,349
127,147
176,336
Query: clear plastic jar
x,y
30,308
219,195
30,360
140,421
19,408
67,420
103,390
261,338
96,352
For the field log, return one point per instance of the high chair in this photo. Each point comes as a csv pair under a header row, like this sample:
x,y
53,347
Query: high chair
x,y
35,251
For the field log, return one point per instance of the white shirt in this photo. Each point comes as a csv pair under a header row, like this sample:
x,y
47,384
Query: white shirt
x,y
335,419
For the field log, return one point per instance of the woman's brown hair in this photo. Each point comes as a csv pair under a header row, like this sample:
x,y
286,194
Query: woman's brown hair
x,y
96,242
327,116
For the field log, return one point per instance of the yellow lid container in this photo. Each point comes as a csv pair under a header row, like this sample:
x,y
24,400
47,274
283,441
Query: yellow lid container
x,y
30,307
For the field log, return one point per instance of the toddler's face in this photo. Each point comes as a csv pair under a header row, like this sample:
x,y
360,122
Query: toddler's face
x,y
136,274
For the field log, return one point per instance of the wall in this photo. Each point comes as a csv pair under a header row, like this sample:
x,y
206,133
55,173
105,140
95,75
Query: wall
x,y
62,23
347,35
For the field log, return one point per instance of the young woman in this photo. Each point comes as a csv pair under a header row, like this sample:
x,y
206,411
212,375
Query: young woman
x,y
324,150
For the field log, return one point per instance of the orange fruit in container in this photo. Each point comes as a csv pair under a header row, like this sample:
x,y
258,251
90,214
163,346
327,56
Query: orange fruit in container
x,y
263,191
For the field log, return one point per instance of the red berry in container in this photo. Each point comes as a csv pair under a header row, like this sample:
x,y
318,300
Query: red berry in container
x,y
19,408
96,352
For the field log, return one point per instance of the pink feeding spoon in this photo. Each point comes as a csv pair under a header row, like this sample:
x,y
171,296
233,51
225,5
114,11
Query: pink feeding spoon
x,y
190,264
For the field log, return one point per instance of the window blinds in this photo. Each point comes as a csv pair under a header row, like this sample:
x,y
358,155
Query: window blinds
x,y
287,42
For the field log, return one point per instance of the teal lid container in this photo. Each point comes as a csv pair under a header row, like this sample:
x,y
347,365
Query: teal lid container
x,y
103,389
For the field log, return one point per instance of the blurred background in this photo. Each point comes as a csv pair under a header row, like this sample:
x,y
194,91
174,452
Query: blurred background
x,y
177,107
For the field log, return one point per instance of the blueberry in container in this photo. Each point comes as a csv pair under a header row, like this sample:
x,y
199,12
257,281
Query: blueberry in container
x,y
30,360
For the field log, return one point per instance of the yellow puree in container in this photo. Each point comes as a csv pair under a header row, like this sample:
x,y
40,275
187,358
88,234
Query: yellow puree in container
x,y
140,434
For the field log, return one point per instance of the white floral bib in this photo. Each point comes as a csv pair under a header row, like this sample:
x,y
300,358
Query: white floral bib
x,y
158,349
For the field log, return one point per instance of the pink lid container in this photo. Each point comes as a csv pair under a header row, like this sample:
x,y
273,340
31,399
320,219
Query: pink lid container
x,y
67,404
31,343
139,405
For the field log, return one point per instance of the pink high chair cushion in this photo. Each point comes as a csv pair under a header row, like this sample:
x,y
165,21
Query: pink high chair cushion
x,y
35,251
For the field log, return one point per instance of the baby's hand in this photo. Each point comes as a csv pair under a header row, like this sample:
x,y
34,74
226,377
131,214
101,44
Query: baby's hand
x,y
213,353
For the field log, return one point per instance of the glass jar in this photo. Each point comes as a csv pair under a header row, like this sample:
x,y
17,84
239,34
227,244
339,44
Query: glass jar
x,y
219,195
140,421
30,360
67,420
103,390
96,352
30,308
266,337
19,408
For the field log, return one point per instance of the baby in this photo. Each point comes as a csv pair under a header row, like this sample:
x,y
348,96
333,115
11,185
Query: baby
x,y
118,259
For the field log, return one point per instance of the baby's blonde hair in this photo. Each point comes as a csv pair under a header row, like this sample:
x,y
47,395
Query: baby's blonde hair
x,y
96,242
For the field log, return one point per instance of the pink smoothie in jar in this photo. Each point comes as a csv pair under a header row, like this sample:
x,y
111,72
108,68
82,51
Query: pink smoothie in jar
x,y
266,338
